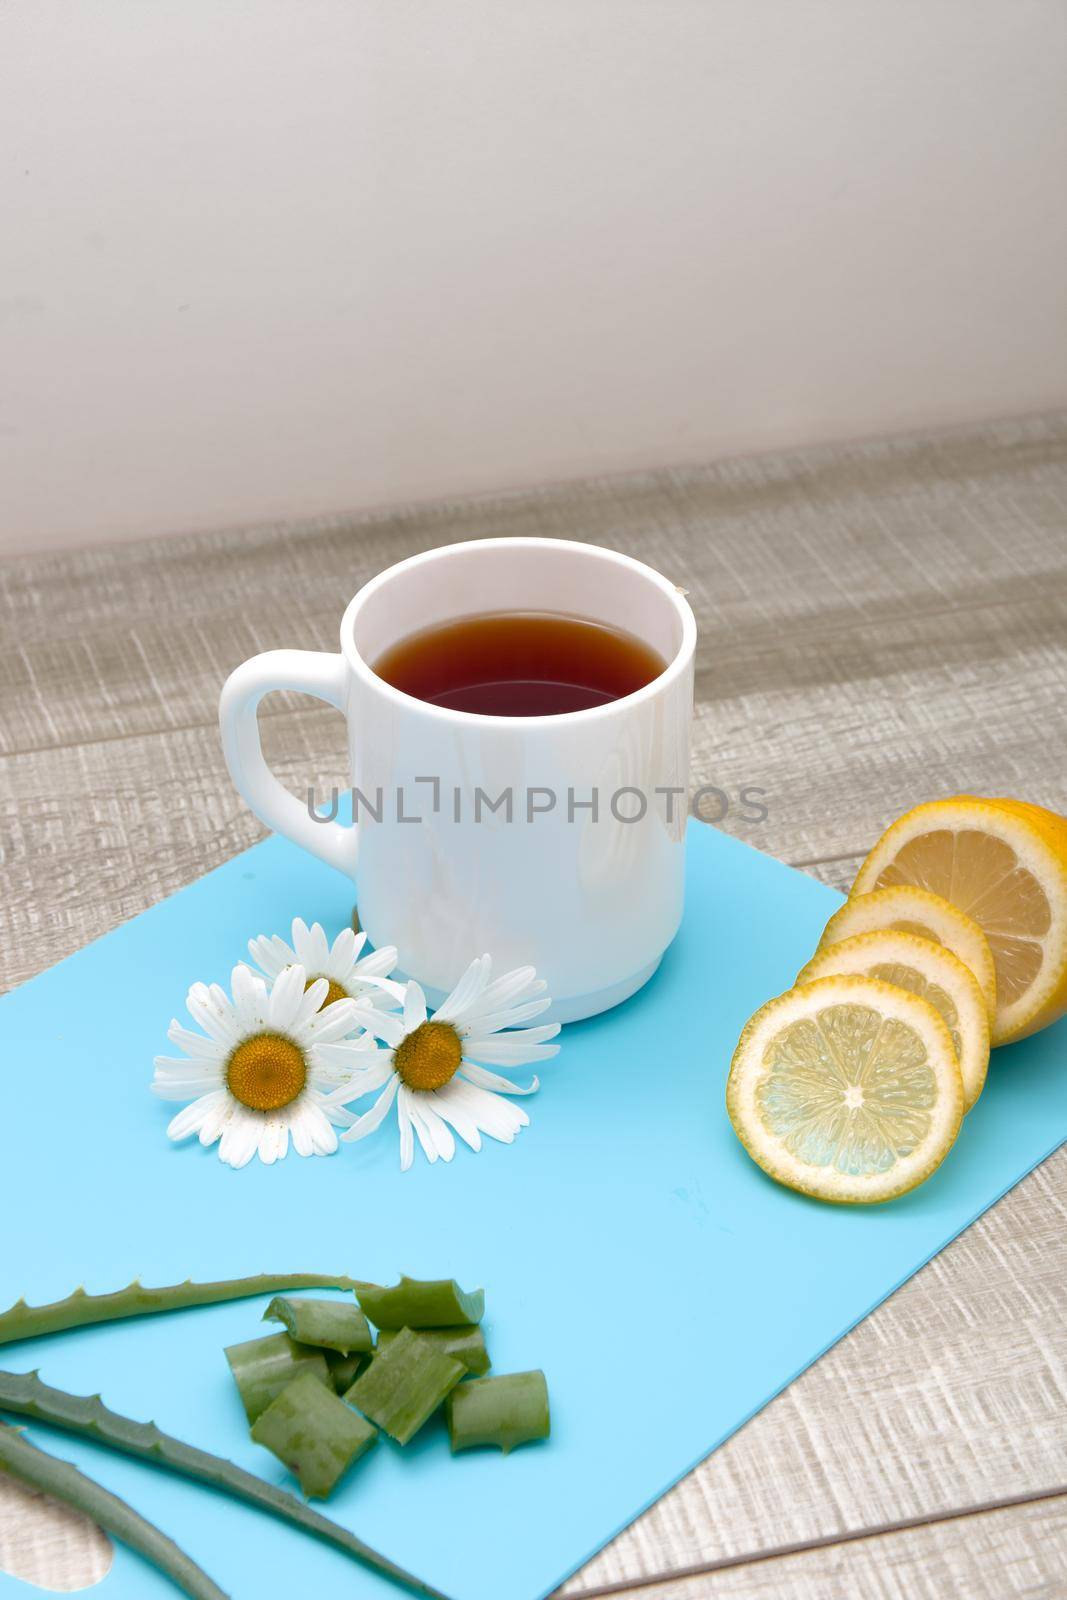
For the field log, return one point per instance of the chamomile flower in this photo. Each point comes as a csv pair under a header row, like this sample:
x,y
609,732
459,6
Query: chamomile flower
x,y
435,1068
266,1068
349,975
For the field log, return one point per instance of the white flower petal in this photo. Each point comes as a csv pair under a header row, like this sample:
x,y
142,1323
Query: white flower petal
x,y
284,999
342,957
421,1106
316,1124
450,1108
345,1056
311,1000
265,1148
355,1084
408,1104
512,988
315,943
250,1000
414,1007
274,1141
187,1086
383,992
271,955
303,1143
506,1017
378,964
338,1116
339,1018
390,1029
187,1066
491,1080
372,1119
495,1116
509,1049
196,1044
191,1119
217,1119
407,1142
240,1137
216,1019
466,992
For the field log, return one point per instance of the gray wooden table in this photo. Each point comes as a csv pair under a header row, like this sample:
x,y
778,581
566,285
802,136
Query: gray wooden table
x,y
880,624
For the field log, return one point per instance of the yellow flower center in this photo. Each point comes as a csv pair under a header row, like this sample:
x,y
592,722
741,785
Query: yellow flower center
x,y
430,1057
266,1072
334,992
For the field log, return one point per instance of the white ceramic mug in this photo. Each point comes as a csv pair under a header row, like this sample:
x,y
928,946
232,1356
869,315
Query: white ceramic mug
x,y
588,893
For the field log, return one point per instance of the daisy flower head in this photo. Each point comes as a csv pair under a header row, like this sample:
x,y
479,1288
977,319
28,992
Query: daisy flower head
x,y
264,1068
350,975
436,1068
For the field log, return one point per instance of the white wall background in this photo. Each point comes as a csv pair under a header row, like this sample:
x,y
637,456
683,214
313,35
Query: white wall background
x,y
276,257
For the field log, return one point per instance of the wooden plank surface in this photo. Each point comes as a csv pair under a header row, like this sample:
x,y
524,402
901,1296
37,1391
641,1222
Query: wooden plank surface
x,y
1016,1553
879,624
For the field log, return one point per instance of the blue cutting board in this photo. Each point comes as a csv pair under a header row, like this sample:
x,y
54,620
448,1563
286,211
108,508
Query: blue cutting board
x,y
626,1242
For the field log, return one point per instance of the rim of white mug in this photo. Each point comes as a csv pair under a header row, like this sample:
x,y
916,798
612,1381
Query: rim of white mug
x,y
674,668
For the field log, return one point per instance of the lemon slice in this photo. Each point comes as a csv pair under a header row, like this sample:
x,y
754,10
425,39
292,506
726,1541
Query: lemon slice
x,y
847,1089
906,909
1003,863
929,970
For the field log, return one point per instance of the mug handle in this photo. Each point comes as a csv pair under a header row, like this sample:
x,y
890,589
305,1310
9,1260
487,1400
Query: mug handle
x,y
310,672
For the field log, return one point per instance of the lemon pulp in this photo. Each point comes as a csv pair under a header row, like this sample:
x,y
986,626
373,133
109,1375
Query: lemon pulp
x,y
847,1088
984,877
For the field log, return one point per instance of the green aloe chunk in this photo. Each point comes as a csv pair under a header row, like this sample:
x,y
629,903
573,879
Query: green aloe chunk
x,y
403,1387
504,1411
314,1433
411,1303
63,1481
327,1324
87,1417
345,1369
81,1310
463,1344
262,1367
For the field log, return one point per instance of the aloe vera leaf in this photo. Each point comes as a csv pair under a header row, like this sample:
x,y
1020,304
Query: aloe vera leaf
x,y
463,1344
63,1481
504,1411
81,1310
403,1387
415,1303
262,1367
314,1433
327,1324
25,1394
344,1370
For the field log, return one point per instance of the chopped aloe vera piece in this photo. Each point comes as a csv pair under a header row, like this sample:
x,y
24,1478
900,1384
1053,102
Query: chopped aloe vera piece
x,y
463,1344
262,1367
504,1411
314,1433
328,1324
344,1370
411,1303
403,1387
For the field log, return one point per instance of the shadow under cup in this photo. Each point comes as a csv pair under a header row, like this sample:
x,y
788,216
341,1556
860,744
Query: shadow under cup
x,y
555,841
